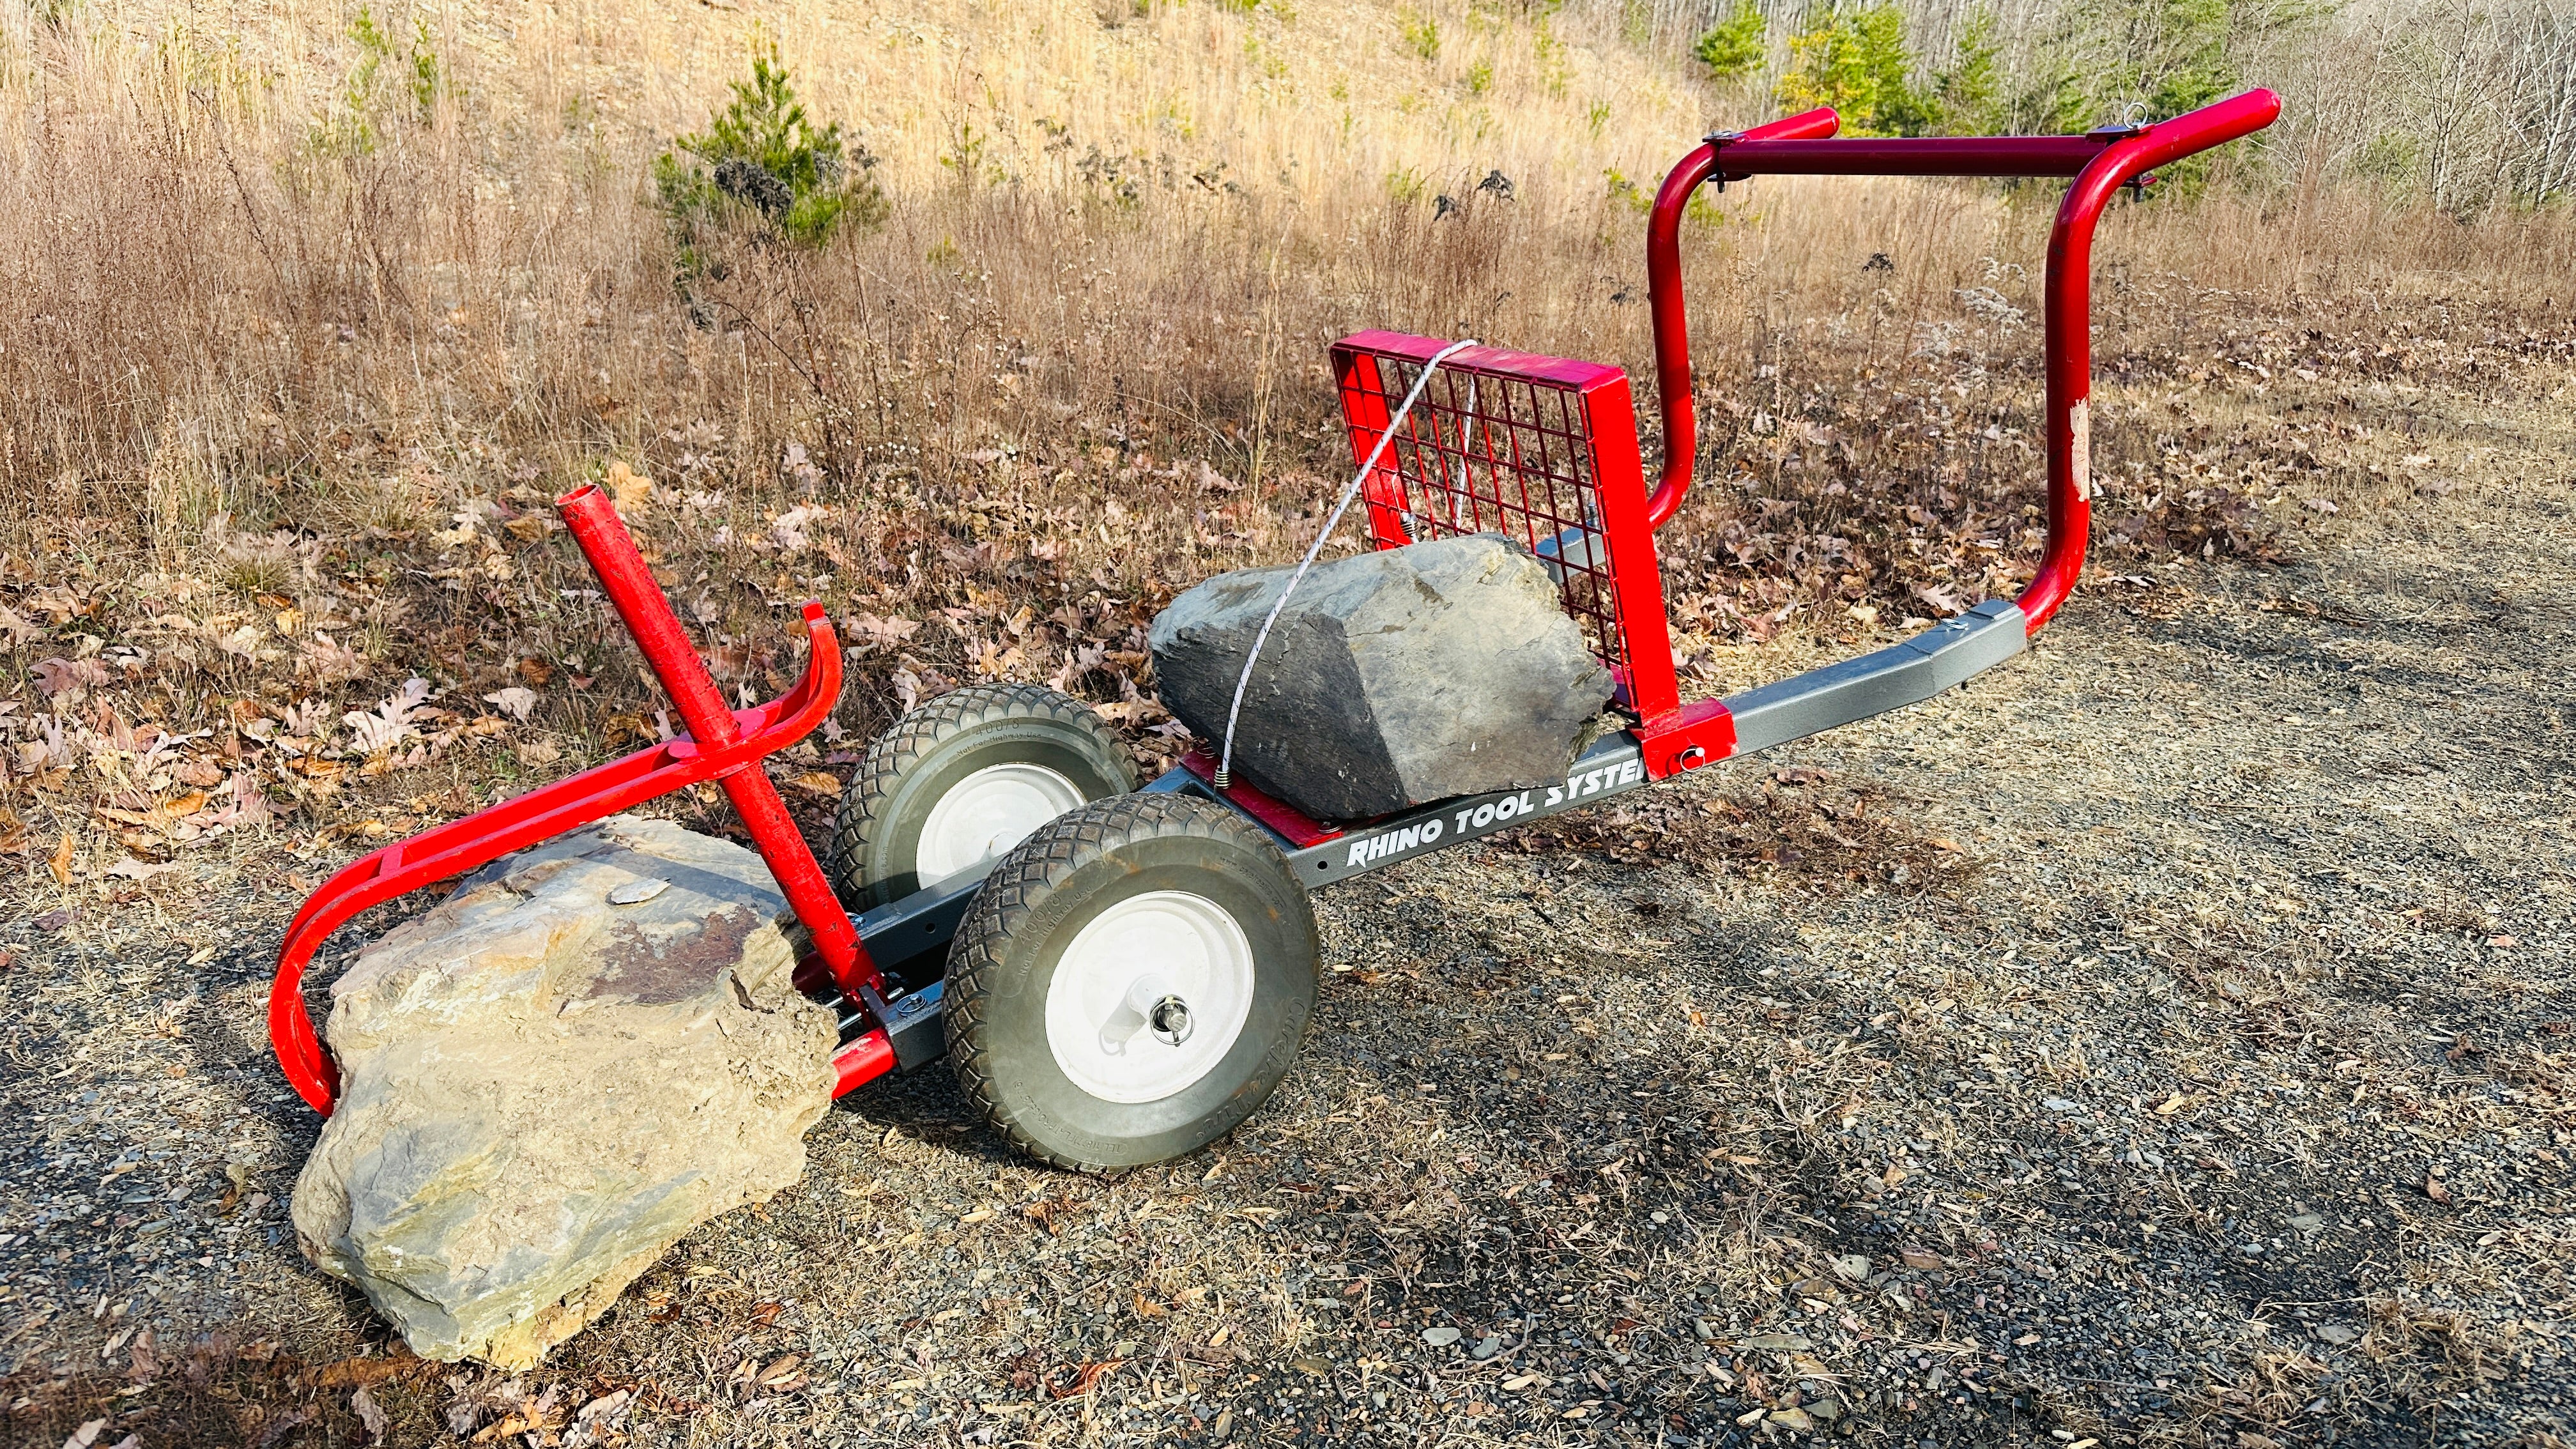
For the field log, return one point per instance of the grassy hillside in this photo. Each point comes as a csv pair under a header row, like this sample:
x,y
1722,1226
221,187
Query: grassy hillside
x,y
314,308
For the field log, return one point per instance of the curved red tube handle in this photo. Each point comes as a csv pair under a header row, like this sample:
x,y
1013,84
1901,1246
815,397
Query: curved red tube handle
x,y
2100,164
459,846
1664,298
723,745
2068,305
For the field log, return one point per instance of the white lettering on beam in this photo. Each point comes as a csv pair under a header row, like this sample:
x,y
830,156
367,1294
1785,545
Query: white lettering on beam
x,y
1492,813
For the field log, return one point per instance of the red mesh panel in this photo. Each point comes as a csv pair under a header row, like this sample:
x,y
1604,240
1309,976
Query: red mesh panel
x,y
1499,442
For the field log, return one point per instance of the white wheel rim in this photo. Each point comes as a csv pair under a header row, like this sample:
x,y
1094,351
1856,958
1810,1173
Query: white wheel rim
x,y
984,815
1156,946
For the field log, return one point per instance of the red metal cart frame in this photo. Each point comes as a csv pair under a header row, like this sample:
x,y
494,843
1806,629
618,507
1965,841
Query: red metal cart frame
x,y
1554,463
723,745
1541,448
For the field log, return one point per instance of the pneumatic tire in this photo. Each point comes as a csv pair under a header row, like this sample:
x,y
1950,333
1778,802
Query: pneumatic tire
x,y
961,779
1063,976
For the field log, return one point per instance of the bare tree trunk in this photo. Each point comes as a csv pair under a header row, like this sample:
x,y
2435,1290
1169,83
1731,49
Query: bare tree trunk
x,y
2545,54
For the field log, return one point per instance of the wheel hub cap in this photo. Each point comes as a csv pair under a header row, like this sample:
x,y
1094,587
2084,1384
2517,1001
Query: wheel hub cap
x,y
984,815
1149,996
1170,1020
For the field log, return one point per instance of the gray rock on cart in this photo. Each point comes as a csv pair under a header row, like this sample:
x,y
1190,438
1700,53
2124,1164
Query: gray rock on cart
x,y
1393,678
592,1047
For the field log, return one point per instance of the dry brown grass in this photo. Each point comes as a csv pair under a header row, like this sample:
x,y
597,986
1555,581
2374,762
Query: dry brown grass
x,y
282,412
240,523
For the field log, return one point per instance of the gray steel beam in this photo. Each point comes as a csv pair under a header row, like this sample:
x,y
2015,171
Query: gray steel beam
x,y
1951,652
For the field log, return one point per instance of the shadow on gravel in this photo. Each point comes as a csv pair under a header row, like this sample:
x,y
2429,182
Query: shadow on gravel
x,y
217,1393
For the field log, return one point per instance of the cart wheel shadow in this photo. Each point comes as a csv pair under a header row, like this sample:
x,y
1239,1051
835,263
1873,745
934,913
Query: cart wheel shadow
x,y
927,1105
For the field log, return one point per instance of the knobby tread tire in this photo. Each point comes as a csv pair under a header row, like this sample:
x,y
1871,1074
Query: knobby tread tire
x,y
1021,882
893,756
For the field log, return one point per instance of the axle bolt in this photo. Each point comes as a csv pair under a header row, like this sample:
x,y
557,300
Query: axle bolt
x,y
1170,1020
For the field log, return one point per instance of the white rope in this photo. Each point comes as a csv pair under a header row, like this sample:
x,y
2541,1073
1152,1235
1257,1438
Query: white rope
x,y
1225,758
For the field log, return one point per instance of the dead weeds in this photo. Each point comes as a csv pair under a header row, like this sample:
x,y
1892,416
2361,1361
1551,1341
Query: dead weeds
x,y
2124,1068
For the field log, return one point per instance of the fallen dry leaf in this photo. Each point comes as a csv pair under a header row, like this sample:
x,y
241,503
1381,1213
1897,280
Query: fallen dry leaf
x,y
517,701
629,488
506,1428
132,869
59,678
370,1414
1085,1380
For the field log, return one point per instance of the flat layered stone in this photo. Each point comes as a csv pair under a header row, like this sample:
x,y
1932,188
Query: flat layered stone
x,y
589,1049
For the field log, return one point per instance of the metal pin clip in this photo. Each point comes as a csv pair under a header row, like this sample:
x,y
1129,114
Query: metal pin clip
x,y
1721,140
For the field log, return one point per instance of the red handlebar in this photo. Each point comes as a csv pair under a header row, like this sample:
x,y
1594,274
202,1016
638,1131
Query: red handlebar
x,y
1664,297
2100,162
2068,306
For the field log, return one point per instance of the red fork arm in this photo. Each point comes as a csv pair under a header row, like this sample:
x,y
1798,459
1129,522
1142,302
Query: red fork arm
x,y
2100,164
723,745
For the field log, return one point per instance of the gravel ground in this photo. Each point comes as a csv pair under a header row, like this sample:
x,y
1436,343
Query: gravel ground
x,y
2166,1040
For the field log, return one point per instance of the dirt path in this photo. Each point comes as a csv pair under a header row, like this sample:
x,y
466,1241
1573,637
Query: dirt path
x,y
2167,1040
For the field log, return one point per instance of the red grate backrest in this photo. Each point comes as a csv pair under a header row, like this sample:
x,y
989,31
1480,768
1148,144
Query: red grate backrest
x,y
1540,449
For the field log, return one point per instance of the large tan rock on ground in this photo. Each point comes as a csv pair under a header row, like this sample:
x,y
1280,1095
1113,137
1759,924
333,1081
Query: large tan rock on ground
x,y
589,1049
